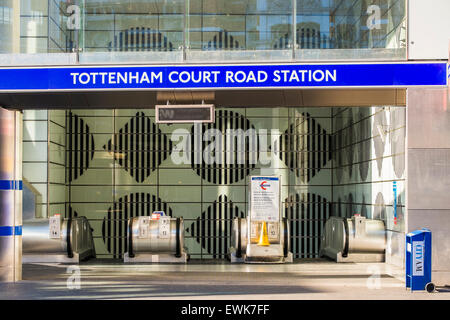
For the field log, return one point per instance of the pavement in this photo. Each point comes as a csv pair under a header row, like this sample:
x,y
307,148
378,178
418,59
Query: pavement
x,y
302,280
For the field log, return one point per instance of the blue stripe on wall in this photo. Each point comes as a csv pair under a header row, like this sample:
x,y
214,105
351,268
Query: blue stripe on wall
x,y
18,230
6,231
11,185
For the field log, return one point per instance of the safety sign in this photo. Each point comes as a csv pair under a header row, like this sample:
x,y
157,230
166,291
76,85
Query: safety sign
x,y
265,198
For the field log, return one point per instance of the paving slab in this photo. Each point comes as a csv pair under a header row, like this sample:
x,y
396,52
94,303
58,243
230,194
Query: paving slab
x,y
305,280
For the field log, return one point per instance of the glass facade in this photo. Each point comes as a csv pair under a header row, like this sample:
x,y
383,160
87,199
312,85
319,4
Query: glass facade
x,y
239,25
221,30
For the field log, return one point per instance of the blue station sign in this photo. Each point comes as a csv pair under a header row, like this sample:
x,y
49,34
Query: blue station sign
x,y
86,78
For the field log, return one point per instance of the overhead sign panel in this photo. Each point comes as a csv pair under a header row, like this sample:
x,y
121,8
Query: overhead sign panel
x,y
200,113
79,78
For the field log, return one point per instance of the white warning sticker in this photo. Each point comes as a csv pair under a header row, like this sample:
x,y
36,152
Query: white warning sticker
x,y
55,227
143,227
164,227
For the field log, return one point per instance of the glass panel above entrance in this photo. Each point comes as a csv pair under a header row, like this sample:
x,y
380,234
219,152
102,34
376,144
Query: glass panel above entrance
x,y
160,31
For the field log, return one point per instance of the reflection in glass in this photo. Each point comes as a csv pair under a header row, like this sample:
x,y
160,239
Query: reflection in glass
x,y
161,26
352,24
239,25
114,26
8,30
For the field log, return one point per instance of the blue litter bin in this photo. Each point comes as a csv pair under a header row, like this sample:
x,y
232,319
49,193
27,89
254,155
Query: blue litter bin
x,y
418,260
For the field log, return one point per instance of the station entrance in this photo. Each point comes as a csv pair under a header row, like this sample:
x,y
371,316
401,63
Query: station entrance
x,y
337,153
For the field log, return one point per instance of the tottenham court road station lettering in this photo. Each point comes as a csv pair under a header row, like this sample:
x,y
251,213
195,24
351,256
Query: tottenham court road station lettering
x,y
286,76
157,77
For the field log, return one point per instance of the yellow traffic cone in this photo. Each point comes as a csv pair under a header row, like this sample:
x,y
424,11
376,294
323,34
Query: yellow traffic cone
x,y
264,238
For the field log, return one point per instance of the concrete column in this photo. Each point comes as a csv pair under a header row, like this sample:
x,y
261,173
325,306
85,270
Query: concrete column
x,y
428,177
10,195
16,27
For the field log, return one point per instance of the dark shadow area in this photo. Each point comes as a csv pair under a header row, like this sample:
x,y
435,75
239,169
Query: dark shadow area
x,y
59,290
